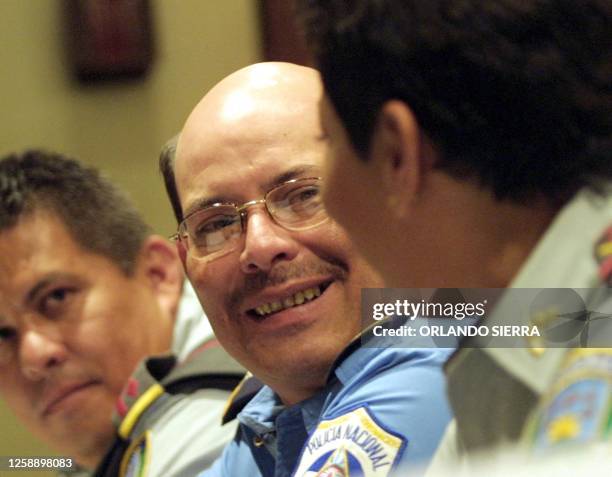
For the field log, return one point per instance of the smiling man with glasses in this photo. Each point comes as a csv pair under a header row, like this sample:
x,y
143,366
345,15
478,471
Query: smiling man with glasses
x,y
281,284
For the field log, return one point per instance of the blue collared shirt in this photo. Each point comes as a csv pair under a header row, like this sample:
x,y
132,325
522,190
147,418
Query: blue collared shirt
x,y
381,408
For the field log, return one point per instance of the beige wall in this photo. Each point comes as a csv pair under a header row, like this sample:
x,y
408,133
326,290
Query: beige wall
x,y
117,127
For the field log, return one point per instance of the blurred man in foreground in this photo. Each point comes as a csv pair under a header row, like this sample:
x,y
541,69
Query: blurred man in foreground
x,y
86,292
482,131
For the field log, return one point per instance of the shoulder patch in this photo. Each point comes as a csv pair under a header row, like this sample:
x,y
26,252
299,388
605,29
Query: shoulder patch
x,y
352,444
580,407
579,413
135,461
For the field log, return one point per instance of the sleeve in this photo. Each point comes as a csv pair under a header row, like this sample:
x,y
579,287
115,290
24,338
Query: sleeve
x,y
189,437
391,413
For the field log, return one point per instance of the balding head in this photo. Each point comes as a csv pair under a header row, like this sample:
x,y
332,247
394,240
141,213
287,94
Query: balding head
x,y
281,287
256,104
253,103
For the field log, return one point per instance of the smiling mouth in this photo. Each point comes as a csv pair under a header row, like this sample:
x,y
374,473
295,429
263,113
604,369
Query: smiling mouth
x,y
296,299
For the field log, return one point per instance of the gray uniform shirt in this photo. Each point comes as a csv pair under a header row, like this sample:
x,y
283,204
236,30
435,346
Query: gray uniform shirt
x,y
494,390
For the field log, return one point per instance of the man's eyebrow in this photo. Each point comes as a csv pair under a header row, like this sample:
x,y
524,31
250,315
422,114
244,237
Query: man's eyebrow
x,y
293,173
45,282
204,202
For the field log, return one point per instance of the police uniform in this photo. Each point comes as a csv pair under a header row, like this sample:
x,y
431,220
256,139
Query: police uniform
x,y
493,391
381,407
169,414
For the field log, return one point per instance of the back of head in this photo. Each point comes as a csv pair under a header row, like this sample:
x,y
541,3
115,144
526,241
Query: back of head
x,y
99,217
516,93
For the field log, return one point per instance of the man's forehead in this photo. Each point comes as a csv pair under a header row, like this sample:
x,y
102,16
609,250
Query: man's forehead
x,y
238,186
40,245
38,230
252,128
269,99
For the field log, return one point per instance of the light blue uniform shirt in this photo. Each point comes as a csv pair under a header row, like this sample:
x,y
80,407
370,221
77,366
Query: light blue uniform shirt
x,y
381,408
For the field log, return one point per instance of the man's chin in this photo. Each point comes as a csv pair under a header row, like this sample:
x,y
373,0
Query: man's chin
x,y
300,363
83,436
86,449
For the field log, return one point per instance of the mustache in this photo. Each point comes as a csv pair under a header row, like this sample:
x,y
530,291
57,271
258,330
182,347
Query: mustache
x,y
282,273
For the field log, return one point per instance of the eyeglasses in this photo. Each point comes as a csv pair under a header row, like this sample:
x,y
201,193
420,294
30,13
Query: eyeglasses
x,y
215,230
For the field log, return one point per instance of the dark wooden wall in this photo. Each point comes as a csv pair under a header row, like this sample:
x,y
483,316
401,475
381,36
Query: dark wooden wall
x,y
282,39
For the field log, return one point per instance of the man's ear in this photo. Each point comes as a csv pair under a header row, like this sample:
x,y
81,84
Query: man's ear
x,y
395,149
162,269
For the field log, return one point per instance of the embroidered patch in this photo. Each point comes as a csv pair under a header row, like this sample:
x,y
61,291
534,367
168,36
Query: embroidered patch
x,y
350,445
135,461
578,413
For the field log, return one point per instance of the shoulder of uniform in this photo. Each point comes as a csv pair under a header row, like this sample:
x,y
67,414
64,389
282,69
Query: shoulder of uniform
x,y
364,338
209,366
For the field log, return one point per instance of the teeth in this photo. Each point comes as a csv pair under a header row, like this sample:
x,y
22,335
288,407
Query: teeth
x,y
298,298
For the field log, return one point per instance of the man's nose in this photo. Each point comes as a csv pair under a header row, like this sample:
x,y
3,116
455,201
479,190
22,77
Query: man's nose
x,y
40,352
265,243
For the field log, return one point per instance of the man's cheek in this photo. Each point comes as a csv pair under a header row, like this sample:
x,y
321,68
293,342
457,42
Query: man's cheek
x,y
214,309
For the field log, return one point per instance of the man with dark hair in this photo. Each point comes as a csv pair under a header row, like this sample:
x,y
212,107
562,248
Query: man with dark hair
x,y
166,167
477,135
86,292
281,285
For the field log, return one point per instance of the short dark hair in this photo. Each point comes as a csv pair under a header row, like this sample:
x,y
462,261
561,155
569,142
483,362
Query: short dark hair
x,y
517,93
98,216
166,167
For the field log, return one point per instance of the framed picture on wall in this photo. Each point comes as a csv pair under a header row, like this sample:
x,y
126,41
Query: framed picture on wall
x,y
109,39
282,39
